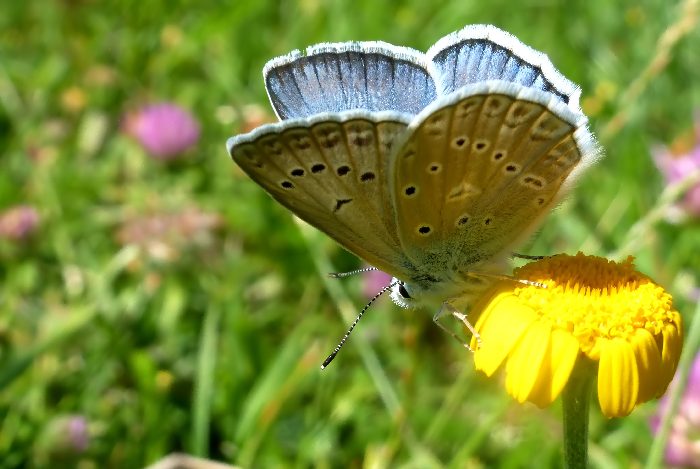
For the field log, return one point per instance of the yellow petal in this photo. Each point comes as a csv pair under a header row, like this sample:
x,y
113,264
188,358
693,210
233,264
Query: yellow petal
x,y
500,328
556,368
618,378
648,360
670,353
524,364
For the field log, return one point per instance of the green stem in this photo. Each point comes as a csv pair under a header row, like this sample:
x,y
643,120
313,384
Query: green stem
x,y
79,319
692,343
576,398
204,385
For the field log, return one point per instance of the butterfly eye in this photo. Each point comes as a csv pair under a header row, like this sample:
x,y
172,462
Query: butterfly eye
x,y
403,292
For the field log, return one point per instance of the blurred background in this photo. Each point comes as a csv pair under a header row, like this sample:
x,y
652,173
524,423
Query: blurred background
x,y
155,300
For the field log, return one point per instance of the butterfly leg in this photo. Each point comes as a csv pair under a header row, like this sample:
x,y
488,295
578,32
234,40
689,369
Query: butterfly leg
x,y
505,277
528,257
447,308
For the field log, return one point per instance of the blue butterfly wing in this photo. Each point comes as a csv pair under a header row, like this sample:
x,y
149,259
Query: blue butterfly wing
x,y
370,76
480,53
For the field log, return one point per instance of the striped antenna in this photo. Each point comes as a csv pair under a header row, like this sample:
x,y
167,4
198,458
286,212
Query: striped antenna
x,y
352,272
335,351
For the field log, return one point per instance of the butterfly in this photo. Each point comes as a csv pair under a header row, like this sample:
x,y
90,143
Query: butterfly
x,y
431,167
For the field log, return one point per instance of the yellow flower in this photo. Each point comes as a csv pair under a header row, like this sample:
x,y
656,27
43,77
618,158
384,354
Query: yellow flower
x,y
592,309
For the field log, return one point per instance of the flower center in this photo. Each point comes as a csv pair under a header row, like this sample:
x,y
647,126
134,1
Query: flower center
x,y
594,299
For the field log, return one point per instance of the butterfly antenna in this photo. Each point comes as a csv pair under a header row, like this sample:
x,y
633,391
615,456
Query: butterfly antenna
x,y
352,272
335,351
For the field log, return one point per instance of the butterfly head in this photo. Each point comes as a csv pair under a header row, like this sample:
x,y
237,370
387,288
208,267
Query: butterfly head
x,y
422,294
400,294
459,287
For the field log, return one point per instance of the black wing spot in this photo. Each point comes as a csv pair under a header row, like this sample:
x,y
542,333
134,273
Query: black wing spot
x,y
540,201
368,176
459,142
410,190
318,167
343,170
512,168
463,220
481,145
287,185
533,182
297,172
435,168
424,230
487,221
340,202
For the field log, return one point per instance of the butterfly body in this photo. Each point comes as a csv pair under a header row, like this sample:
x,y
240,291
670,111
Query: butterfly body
x,y
431,167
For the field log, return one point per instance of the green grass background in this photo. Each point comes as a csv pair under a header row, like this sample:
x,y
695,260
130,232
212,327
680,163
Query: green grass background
x,y
217,353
